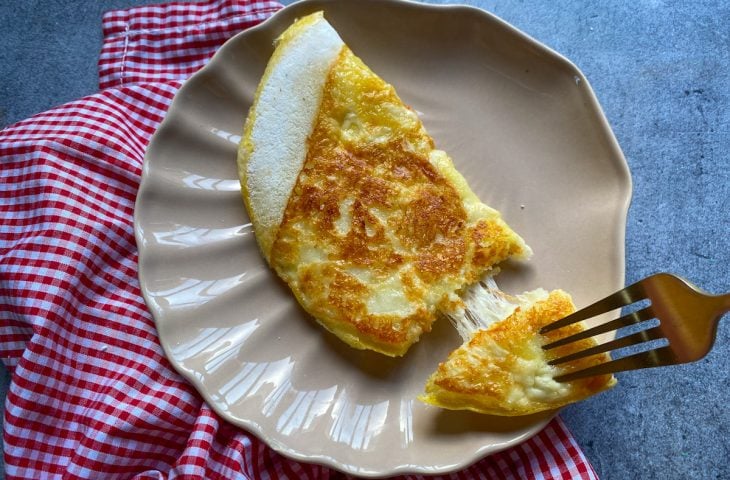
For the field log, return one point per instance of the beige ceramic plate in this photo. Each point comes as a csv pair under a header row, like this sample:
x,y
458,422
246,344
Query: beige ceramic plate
x,y
521,124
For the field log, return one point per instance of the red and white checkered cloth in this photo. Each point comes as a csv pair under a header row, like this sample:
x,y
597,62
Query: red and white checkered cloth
x,y
92,395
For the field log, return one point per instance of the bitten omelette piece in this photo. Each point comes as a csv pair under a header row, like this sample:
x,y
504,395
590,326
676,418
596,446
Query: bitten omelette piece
x,y
501,368
371,226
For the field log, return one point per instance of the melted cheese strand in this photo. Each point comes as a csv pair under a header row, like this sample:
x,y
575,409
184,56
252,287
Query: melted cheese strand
x,y
485,304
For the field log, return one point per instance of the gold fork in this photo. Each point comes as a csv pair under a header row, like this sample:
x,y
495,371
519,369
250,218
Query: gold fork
x,y
688,319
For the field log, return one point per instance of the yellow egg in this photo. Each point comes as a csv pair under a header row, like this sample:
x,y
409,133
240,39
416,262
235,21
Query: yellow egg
x,y
377,234
378,231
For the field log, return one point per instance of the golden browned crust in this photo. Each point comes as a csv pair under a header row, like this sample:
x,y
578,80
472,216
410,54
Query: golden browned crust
x,y
503,370
376,235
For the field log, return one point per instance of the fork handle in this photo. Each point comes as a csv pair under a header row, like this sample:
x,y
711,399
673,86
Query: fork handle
x,y
724,301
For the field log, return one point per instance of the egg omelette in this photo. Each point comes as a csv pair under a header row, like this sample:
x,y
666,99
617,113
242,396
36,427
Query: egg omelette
x,y
374,230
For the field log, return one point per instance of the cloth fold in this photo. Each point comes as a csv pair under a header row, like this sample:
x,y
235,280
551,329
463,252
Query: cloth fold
x,y
92,394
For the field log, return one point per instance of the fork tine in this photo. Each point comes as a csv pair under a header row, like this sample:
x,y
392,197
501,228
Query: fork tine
x,y
650,358
634,339
627,296
630,319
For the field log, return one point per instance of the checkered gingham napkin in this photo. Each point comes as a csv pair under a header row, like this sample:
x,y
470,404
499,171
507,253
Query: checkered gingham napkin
x,y
92,395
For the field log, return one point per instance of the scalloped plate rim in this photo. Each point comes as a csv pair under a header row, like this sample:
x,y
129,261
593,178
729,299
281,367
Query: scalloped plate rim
x,y
251,425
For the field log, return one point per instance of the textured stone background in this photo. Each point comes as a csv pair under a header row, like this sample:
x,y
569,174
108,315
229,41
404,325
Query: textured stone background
x,y
661,71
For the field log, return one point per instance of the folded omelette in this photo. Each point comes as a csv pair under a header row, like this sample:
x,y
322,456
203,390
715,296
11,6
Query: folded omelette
x,y
372,228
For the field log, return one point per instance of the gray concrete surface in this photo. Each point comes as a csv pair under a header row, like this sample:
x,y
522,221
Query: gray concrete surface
x,y
661,70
